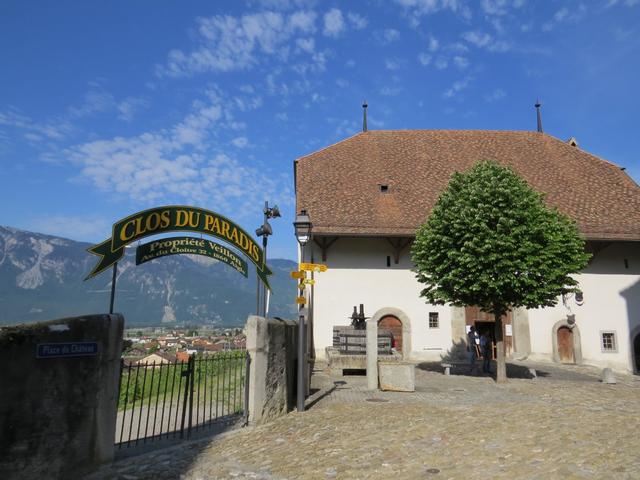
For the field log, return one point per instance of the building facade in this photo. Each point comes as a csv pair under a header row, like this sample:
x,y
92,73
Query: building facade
x,y
368,194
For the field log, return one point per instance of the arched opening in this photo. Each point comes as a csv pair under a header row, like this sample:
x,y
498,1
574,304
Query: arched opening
x,y
405,329
636,352
565,345
565,338
392,324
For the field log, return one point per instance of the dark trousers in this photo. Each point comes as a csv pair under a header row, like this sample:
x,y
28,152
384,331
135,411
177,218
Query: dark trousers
x,y
486,362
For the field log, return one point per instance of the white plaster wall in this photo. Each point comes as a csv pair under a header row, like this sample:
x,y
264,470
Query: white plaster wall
x,y
358,273
611,303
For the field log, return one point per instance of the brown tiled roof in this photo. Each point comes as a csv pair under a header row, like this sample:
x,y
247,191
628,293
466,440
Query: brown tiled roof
x,y
339,185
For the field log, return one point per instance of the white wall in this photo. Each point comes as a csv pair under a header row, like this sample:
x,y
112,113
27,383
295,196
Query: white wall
x,y
358,273
611,303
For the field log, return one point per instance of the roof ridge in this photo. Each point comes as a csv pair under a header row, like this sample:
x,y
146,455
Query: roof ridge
x,y
332,145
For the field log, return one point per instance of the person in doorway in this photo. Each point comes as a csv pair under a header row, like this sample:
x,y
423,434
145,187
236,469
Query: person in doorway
x,y
486,348
473,342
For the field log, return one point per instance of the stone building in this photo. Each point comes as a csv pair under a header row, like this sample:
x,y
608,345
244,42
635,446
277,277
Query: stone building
x,y
367,195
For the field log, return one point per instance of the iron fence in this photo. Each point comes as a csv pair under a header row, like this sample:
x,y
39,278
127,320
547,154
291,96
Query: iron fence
x,y
160,401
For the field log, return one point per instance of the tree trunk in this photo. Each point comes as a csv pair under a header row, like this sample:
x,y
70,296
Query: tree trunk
x,y
501,366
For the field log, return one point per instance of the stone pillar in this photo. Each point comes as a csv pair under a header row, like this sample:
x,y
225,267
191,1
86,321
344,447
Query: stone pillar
x,y
458,323
521,334
59,396
372,354
273,347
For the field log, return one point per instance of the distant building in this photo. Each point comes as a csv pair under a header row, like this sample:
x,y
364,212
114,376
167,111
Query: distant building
x,y
367,195
157,358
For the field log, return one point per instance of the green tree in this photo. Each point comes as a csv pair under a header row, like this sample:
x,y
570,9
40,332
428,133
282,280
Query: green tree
x,y
492,242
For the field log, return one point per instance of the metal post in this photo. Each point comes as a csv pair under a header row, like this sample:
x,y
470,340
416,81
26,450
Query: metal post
x,y
263,306
113,287
302,352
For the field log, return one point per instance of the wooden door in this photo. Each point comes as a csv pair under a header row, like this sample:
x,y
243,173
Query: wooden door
x,y
394,325
565,345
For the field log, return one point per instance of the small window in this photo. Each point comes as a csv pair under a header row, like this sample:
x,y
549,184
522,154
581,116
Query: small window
x,y
609,342
384,188
434,321
388,261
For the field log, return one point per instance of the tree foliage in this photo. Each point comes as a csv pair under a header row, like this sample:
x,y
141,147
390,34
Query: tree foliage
x,y
492,242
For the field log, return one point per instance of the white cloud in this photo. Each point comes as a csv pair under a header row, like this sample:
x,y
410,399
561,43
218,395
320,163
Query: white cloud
x,y
441,63
565,15
227,43
494,96
240,142
433,44
128,108
357,21
416,9
390,35
485,40
306,44
479,39
424,59
457,87
390,91
183,162
392,64
333,23
89,228
96,100
460,62
495,7
342,83
56,130
458,47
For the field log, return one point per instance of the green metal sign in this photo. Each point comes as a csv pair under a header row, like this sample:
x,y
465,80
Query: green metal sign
x,y
190,245
176,218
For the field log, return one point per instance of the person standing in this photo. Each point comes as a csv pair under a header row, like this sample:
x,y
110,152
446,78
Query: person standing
x,y
473,342
486,348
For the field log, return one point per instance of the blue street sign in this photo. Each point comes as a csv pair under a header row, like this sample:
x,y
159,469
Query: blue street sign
x,y
72,349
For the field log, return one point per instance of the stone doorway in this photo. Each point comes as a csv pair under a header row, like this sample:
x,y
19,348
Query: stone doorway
x,y
484,321
394,325
636,352
565,345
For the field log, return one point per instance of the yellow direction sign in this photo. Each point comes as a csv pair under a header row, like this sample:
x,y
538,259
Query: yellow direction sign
x,y
313,267
298,275
303,283
301,300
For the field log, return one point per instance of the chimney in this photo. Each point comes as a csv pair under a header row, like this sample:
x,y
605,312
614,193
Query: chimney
x,y
364,117
538,105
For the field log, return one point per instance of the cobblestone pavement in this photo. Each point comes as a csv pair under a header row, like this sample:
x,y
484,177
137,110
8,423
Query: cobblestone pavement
x,y
564,425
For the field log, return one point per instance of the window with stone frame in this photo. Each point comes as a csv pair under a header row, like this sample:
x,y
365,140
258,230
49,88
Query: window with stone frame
x,y
434,321
608,340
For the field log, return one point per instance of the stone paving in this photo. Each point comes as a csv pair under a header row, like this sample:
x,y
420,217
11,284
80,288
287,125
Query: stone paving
x,y
563,425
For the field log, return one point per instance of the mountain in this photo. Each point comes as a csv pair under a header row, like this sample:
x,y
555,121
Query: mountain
x,y
41,278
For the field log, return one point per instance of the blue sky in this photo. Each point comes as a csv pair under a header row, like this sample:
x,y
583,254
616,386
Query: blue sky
x,y
107,108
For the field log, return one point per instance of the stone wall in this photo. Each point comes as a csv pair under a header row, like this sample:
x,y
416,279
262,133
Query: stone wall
x,y
58,396
273,346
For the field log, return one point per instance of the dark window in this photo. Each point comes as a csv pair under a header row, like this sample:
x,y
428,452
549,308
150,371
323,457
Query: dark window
x,y
384,188
609,342
388,261
434,322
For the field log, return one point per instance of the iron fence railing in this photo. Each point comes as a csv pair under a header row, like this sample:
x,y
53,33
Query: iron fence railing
x,y
171,400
